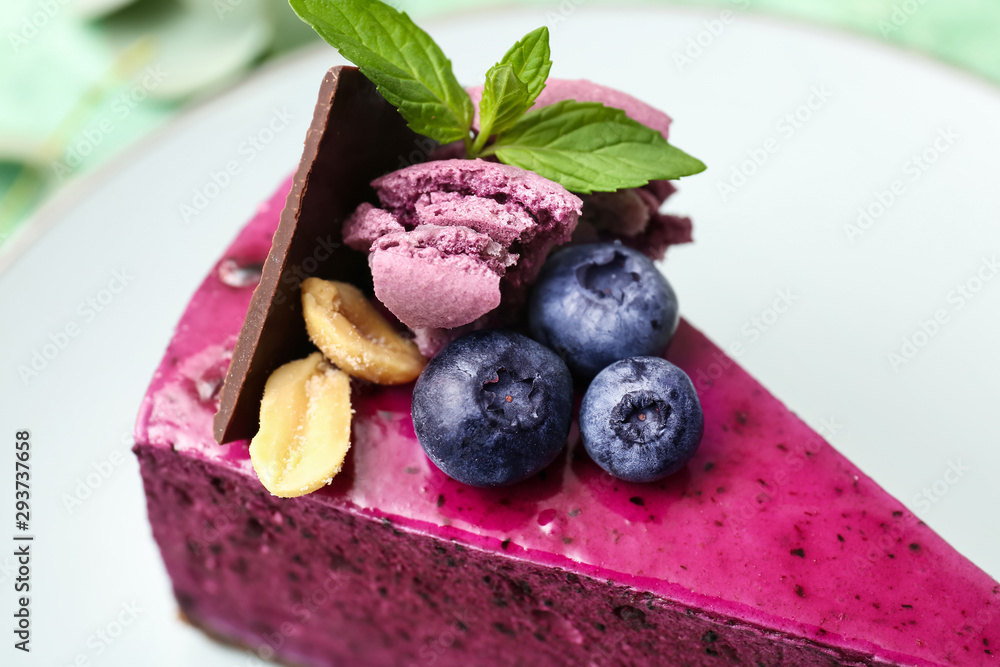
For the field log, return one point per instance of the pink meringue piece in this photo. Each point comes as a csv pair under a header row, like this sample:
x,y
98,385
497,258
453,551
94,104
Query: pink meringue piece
x,y
448,231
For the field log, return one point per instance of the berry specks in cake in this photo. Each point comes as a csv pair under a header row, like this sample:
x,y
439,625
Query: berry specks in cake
x,y
798,552
254,530
598,303
633,618
504,629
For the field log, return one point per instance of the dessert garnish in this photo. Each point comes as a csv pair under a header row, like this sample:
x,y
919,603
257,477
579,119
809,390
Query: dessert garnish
x,y
493,408
584,146
305,427
355,337
450,239
641,419
597,303
305,414
331,180
452,235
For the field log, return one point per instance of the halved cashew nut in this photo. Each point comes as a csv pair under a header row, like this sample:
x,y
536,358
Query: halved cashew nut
x,y
355,337
305,427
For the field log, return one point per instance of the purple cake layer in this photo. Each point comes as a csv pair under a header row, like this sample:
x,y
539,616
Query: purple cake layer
x,y
770,548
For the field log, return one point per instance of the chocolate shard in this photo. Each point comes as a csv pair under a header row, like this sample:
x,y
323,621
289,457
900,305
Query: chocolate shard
x,y
355,136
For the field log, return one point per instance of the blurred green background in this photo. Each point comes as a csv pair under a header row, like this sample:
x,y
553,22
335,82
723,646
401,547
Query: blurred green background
x,y
82,79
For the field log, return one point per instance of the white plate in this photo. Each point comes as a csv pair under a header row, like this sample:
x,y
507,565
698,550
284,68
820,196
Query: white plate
x,y
783,230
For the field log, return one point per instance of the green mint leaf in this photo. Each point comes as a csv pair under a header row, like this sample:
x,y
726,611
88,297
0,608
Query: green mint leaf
x,y
512,85
587,147
530,58
405,64
504,101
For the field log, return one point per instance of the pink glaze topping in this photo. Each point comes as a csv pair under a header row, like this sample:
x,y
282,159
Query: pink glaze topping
x,y
768,523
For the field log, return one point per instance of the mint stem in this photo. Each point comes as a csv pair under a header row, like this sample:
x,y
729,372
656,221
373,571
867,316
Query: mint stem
x,y
476,150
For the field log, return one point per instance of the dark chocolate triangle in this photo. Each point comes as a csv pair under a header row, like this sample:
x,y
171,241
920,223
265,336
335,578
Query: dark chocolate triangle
x,y
355,136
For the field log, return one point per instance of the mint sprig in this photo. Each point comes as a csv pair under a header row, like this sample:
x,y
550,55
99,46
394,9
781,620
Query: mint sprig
x,y
505,99
587,146
584,146
512,85
531,61
405,64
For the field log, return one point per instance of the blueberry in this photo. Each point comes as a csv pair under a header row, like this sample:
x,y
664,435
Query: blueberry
x,y
641,419
493,408
597,303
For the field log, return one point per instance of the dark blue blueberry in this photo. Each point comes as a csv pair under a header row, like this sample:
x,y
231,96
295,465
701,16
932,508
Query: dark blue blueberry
x,y
641,419
493,408
597,303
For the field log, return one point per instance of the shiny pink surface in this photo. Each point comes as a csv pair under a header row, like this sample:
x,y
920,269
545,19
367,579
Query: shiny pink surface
x,y
768,523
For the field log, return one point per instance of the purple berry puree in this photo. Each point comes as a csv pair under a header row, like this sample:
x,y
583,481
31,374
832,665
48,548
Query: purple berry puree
x,y
768,548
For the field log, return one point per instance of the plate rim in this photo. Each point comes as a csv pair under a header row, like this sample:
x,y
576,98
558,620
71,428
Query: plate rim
x,y
48,215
